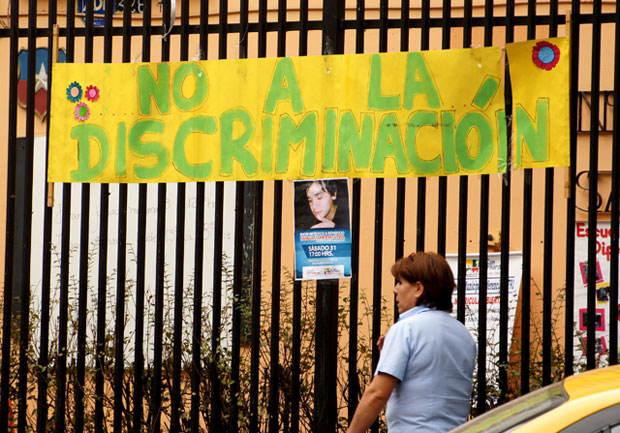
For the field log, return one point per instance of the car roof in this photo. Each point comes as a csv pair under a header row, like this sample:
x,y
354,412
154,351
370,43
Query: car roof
x,y
554,407
593,381
588,393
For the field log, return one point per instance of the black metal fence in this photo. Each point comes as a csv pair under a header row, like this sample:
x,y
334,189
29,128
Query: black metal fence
x,y
122,310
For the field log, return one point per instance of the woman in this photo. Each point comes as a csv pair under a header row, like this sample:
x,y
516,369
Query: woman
x,y
427,360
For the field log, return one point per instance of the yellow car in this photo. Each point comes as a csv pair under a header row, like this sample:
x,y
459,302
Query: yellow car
x,y
584,403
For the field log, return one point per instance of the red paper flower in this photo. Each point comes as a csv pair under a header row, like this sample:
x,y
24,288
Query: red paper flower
x,y
92,93
545,55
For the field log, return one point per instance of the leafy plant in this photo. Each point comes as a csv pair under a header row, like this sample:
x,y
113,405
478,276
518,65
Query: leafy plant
x,y
221,361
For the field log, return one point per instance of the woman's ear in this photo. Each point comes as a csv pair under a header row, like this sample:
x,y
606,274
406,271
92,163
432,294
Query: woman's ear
x,y
419,289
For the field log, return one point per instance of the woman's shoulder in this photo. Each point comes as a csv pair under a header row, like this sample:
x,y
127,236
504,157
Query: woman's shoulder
x,y
428,317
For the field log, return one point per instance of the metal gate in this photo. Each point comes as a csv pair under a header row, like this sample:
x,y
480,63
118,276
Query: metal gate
x,y
168,307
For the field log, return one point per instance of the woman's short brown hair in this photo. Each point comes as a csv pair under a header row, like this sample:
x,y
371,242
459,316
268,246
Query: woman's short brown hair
x,y
434,272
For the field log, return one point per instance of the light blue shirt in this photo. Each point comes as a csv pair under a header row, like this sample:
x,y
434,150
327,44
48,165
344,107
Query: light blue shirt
x,y
432,355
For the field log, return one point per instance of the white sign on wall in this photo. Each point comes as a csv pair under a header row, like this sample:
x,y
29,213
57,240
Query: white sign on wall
x,y
602,309
472,296
191,205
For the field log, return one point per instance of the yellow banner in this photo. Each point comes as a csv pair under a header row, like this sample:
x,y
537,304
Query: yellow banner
x,y
365,115
539,74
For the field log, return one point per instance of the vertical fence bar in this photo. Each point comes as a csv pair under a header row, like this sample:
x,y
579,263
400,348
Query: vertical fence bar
x,y
21,279
177,408
325,400
102,283
401,183
257,279
138,387
243,190
574,33
482,295
483,249
274,391
121,264
463,192
243,28
7,317
526,283
527,244
256,304
593,183
216,422
297,295
159,308
505,230
84,255
238,283
442,205
160,263
548,244
257,253
162,191
296,358
378,238
42,371
376,293
61,362
615,209
327,291
421,214
462,249
119,333
237,302
354,385
138,390
276,280
216,387
197,372
101,310
360,27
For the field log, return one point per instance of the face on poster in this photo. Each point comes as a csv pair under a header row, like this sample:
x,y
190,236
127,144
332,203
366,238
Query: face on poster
x,y
322,229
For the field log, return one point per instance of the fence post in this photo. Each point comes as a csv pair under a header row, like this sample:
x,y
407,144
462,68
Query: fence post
x,y
325,401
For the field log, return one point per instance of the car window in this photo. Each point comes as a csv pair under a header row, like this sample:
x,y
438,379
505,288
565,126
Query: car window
x,y
509,415
598,422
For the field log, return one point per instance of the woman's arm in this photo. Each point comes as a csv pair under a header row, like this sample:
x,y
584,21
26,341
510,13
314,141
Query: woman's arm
x,y
373,400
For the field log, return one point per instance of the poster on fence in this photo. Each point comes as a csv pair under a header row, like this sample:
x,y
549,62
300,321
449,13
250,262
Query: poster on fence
x,y
603,308
472,297
322,229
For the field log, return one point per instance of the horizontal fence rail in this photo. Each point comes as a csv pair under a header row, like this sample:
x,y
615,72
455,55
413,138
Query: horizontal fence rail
x,y
172,307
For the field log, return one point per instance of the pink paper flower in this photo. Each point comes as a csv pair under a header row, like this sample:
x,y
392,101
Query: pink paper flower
x,y
81,111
